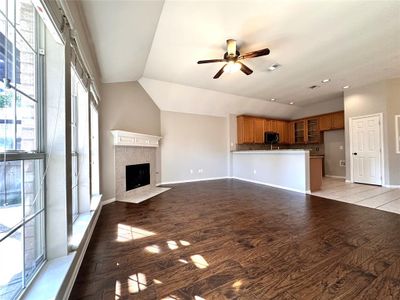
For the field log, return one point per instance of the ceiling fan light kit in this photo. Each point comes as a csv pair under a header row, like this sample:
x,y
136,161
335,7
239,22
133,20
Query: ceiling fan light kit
x,y
232,59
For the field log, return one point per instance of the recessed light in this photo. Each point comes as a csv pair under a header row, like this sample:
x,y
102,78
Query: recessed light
x,y
291,103
346,86
326,80
273,67
273,99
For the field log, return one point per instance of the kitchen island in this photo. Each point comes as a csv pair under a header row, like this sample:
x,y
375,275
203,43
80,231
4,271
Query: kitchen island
x,y
287,169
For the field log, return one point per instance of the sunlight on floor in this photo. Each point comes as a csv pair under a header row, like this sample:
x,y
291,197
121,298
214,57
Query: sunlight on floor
x,y
136,283
153,249
128,233
184,243
199,261
172,245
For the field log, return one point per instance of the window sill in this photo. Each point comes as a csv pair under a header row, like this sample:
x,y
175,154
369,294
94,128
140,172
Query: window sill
x,y
50,278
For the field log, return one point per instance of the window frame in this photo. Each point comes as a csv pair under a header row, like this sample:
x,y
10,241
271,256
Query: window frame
x,y
38,154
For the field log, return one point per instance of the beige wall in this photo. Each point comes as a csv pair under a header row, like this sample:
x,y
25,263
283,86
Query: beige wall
x,y
193,142
393,106
124,106
334,153
381,97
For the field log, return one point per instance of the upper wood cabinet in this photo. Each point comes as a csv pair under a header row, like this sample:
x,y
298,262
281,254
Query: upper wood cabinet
x,y
245,130
331,121
325,122
313,131
258,124
250,130
338,120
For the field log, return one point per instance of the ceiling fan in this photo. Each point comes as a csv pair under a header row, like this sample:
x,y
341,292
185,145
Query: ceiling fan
x,y
233,58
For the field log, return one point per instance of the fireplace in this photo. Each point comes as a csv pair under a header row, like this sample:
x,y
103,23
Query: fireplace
x,y
137,176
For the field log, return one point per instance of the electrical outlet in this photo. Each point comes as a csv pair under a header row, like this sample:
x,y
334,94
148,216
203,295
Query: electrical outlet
x,y
191,171
255,171
341,147
200,171
342,163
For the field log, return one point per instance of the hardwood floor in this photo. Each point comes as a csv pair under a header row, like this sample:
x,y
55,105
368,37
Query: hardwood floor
x,y
228,239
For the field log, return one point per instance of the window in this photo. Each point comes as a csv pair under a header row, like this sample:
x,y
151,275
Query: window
x,y
21,158
94,130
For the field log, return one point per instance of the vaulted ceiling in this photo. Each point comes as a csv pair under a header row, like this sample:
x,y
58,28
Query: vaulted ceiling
x,y
350,42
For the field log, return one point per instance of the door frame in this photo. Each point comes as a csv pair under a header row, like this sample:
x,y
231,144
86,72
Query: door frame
x,y
382,144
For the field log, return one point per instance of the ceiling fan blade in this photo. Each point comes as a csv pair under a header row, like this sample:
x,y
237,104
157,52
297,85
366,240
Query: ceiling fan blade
x,y
219,73
207,61
245,69
257,53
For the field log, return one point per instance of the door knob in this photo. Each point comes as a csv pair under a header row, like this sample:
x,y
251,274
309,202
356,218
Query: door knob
x,y
355,153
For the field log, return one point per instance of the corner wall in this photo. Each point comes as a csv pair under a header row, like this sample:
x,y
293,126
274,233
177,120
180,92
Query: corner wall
x,y
124,106
380,97
193,147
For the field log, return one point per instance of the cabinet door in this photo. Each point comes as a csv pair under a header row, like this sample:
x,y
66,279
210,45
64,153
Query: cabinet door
x,y
267,125
313,132
281,128
248,132
258,130
325,122
291,137
338,120
299,132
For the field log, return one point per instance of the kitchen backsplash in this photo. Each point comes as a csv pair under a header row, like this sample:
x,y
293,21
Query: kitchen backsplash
x,y
315,149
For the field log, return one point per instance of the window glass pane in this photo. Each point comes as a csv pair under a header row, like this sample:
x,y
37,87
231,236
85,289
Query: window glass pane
x,y
10,189
25,20
7,116
25,74
33,194
6,50
11,261
34,245
3,5
75,188
94,119
26,123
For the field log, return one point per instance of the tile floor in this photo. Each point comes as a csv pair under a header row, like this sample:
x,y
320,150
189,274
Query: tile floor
x,y
387,199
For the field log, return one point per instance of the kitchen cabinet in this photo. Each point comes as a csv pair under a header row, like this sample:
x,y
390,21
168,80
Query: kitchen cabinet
x,y
325,122
331,121
299,132
338,120
245,130
258,125
313,132
250,130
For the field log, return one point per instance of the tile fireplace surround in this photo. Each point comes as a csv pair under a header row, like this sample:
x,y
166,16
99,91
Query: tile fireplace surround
x,y
131,149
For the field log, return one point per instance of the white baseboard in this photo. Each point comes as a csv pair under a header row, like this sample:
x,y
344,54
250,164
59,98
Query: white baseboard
x,y
273,185
72,279
335,176
193,180
391,186
108,201
348,181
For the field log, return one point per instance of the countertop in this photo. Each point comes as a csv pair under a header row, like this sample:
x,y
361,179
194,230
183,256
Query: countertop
x,y
282,151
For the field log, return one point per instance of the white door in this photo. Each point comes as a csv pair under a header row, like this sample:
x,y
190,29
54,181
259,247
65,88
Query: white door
x,y
366,150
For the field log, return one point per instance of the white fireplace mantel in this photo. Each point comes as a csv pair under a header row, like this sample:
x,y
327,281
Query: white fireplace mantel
x,y
132,139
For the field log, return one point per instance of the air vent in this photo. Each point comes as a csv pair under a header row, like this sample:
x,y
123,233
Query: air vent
x,y
273,67
313,87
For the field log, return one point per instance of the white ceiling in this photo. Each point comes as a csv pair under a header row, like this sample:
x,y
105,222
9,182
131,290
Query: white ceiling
x,y
122,32
351,42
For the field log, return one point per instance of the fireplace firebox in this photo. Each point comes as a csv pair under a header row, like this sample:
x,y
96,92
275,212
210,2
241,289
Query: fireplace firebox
x,y
137,176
